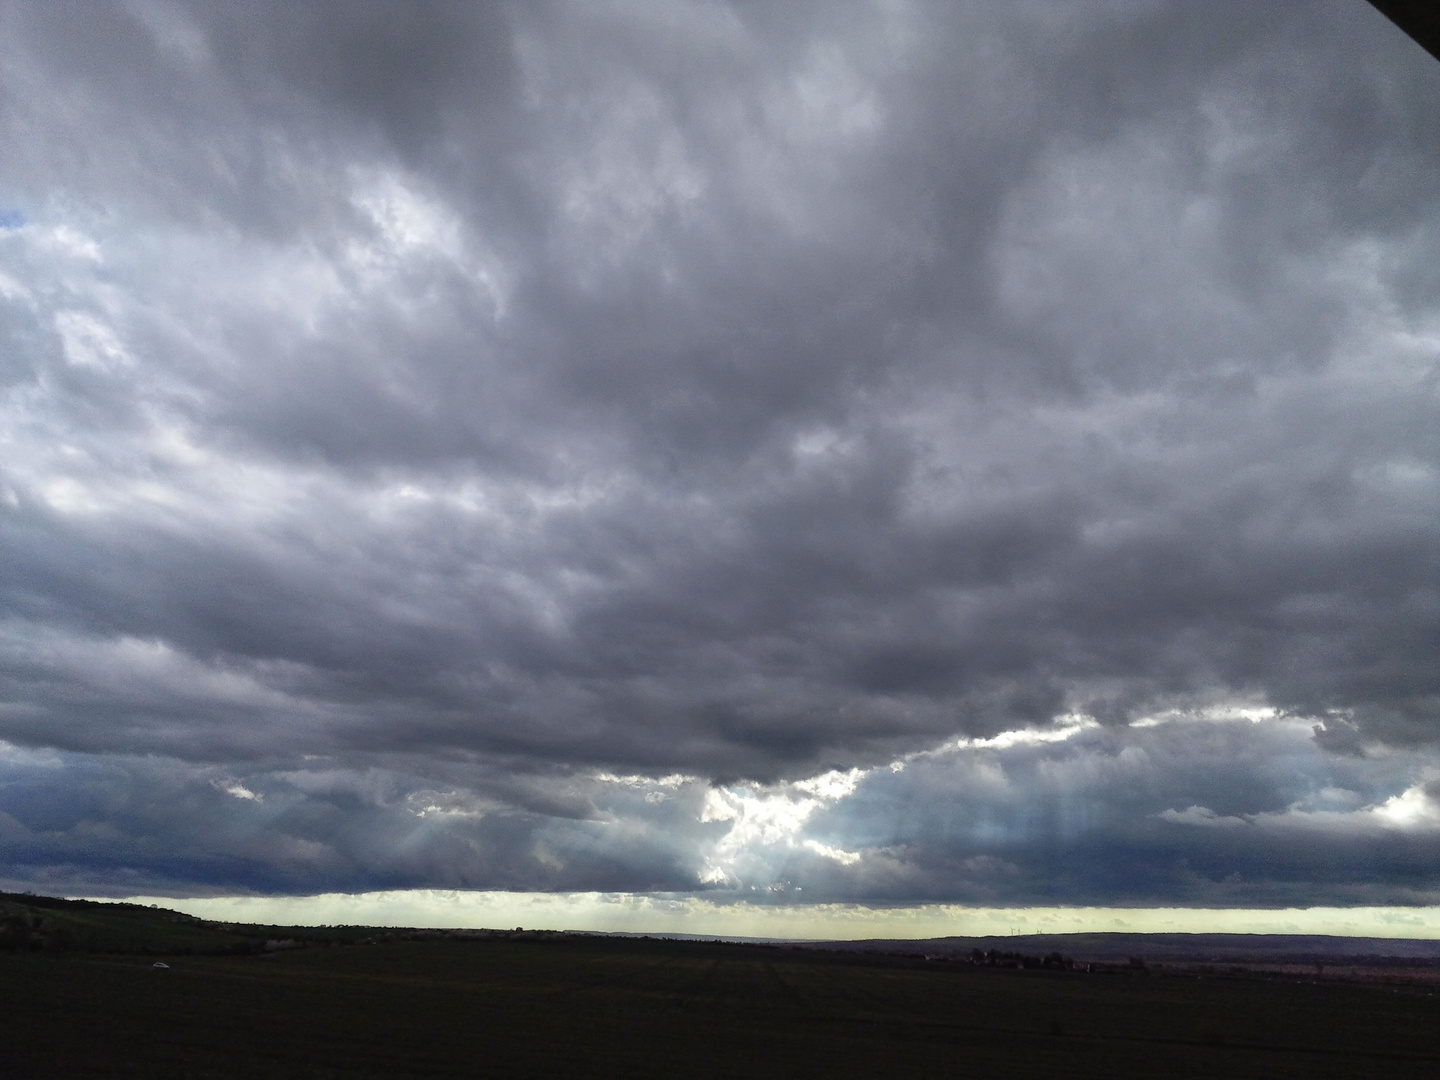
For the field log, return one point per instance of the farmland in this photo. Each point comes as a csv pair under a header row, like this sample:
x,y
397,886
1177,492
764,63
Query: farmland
x,y
352,1002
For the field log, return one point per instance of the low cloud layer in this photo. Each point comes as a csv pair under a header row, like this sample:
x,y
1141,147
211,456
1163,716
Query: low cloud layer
x,y
889,453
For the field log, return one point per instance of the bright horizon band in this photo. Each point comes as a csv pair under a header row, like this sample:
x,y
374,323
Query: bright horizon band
x,y
673,914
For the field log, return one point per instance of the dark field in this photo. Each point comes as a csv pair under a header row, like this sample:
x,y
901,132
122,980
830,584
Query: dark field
x,y
549,1005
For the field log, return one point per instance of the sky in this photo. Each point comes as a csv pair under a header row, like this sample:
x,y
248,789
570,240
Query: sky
x,y
786,459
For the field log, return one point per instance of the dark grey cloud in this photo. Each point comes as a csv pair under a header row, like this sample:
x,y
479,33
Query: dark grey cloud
x,y
1199,809
494,397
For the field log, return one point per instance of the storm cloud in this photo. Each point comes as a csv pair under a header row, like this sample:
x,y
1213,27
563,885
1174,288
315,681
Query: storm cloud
x,y
881,452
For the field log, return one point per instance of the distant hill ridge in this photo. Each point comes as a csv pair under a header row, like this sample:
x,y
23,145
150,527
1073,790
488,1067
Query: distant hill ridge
x,y
30,922
1172,948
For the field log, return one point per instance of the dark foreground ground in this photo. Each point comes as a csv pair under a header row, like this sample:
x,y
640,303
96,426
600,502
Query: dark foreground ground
x,y
80,996
562,1005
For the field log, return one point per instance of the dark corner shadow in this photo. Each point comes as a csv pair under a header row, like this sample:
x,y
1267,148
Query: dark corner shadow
x,y
1418,18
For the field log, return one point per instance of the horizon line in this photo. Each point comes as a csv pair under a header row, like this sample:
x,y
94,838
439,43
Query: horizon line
x,y
659,914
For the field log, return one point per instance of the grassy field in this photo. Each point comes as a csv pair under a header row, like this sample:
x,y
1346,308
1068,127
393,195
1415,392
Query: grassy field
x,y
568,1005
